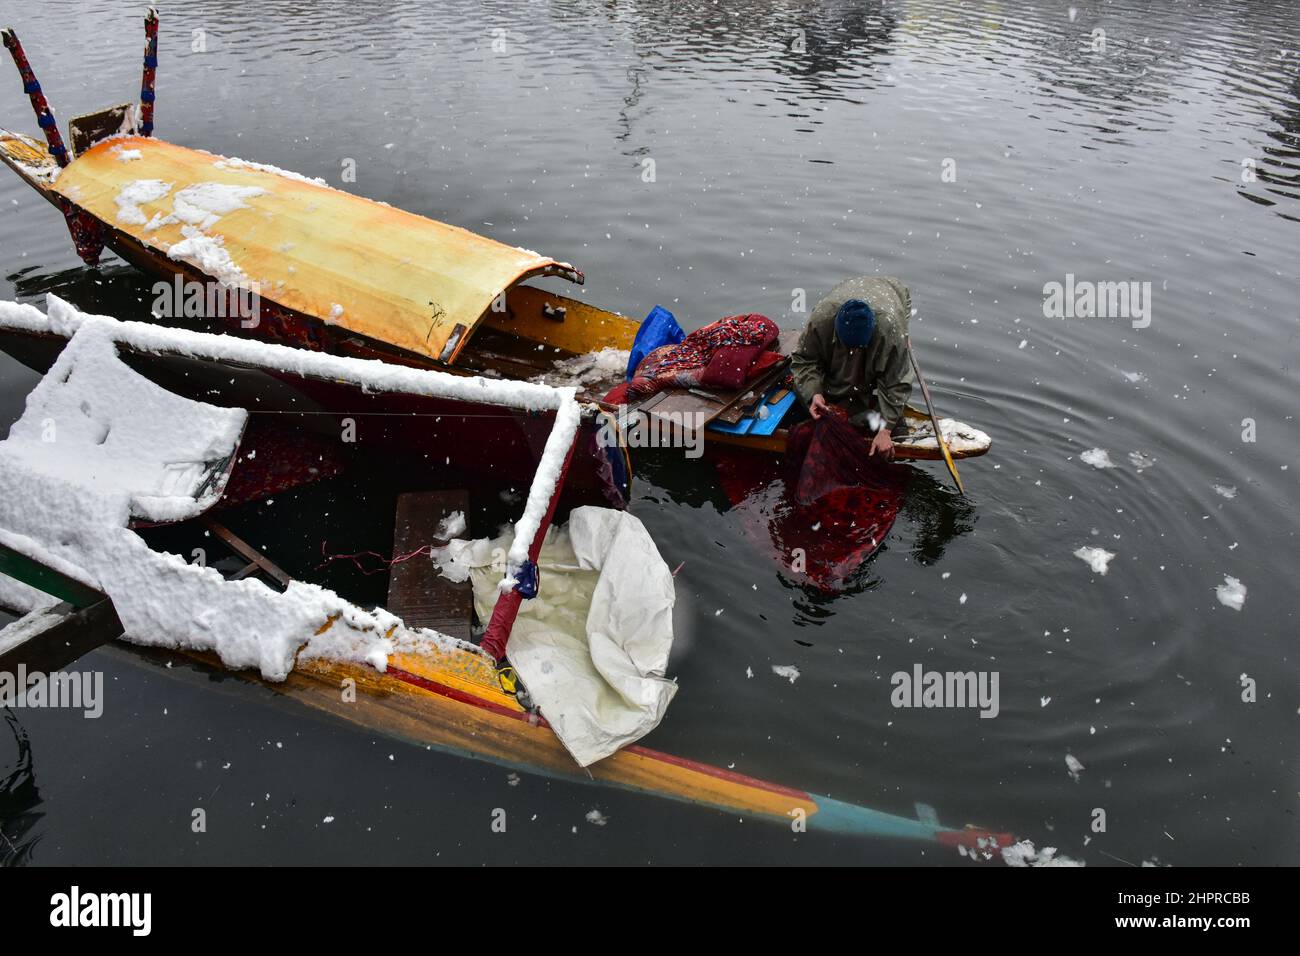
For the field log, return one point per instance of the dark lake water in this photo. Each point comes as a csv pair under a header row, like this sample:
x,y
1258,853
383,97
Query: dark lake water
x,y
979,151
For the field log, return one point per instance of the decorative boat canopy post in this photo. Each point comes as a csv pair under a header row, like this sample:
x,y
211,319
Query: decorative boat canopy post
x,y
87,234
150,69
44,115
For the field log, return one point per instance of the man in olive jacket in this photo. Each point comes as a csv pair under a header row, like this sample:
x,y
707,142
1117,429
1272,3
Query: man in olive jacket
x,y
853,353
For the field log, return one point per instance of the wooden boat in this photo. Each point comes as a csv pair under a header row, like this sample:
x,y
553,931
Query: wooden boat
x,y
414,292
340,273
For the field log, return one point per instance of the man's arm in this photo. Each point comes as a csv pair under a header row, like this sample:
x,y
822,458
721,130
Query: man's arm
x,y
806,364
895,385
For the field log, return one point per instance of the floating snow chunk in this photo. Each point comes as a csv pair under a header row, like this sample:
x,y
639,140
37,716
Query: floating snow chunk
x,y
1074,766
597,818
788,671
1231,593
1140,460
1133,377
134,194
1227,491
1024,854
208,254
1096,558
962,599
452,526
232,162
1097,457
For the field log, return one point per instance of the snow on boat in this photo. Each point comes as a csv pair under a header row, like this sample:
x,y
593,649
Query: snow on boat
x,y
70,510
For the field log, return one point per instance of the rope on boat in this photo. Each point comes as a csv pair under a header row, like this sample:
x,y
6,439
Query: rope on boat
x,y
150,71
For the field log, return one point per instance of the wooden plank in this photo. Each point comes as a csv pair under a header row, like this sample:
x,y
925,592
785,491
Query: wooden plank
x,y
247,551
417,592
51,639
17,565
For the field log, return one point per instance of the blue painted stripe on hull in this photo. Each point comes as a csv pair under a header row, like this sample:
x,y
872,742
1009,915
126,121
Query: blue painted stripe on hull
x,y
836,816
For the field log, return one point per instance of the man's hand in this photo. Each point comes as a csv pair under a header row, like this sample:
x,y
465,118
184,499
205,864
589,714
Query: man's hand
x,y
882,444
817,406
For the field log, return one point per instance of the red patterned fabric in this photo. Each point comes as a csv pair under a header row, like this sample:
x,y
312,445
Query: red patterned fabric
x,y
721,355
827,454
824,509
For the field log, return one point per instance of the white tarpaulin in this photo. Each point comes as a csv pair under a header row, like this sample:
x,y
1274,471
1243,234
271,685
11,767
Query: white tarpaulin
x,y
593,646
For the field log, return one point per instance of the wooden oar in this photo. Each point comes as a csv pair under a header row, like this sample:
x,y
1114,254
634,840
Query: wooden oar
x,y
934,419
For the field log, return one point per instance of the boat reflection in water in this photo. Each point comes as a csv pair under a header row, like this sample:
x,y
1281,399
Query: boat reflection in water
x,y
20,799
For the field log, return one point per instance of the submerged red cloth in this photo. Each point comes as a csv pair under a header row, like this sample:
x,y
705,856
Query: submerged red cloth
x,y
824,509
721,355
827,454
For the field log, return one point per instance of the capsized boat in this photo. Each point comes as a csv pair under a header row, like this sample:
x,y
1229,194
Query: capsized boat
x,y
156,457
339,273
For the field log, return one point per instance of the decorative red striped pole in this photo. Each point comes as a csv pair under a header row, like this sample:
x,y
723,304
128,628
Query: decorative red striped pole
x,y
150,69
44,115
506,609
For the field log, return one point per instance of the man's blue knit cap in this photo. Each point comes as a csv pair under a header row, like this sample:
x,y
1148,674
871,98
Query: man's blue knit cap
x,y
855,323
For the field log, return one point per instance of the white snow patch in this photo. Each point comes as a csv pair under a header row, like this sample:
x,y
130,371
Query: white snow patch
x,y
22,598
1096,558
208,254
1097,457
1231,593
596,818
1141,460
608,365
231,162
203,204
788,671
1074,766
1227,491
136,193
1024,854
452,526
